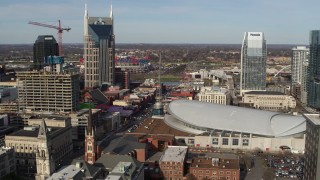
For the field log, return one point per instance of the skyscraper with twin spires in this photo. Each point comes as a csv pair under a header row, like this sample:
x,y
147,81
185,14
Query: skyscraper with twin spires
x,y
99,50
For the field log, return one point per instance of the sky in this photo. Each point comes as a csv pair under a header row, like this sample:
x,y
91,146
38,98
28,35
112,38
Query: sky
x,y
165,21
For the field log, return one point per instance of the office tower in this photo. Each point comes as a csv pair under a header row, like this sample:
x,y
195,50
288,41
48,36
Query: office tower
x,y
99,52
313,88
253,62
312,153
299,57
48,91
304,82
44,46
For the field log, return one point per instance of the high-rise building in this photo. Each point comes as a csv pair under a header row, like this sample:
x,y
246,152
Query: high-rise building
x,y
304,82
253,62
48,91
45,46
312,146
313,84
99,50
300,55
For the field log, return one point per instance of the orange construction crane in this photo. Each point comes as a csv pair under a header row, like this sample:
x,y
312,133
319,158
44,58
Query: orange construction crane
x,y
60,30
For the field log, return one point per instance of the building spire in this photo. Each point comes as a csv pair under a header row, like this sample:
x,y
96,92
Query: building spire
x,y
43,130
111,12
85,19
90,123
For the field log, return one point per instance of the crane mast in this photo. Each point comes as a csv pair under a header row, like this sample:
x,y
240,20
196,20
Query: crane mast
x,y
59,28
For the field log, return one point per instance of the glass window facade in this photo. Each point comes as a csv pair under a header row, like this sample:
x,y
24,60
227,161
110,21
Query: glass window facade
x,y
253,62
313,83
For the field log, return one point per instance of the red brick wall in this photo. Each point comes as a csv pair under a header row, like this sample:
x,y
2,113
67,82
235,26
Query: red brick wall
x,y
141,155
172,169
200,173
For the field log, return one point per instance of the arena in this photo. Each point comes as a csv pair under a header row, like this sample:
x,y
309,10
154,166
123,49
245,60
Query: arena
x,y
222,126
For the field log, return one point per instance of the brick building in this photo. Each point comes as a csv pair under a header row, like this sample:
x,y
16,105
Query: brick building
x,y
172,162
215,168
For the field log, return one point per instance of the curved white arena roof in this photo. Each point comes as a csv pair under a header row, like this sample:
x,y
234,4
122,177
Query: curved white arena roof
x,y
232,118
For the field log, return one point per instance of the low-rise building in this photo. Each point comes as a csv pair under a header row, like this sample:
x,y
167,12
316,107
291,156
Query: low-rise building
x,y
172,162
120,167
215,95
269,100
215,168
40,149
126,145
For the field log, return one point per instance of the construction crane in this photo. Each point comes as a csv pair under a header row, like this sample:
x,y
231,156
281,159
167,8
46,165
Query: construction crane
x,y
60,30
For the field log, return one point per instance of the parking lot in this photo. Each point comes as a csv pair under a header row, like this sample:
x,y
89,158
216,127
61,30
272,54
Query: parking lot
x,y
288,166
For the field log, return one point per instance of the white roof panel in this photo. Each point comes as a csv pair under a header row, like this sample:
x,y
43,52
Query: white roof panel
x,y
233,118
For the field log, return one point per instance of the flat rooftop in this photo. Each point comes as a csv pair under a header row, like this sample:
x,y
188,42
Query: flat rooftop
x,y
174,154
66,172
314,118
158,126
265,92
34,132
200,162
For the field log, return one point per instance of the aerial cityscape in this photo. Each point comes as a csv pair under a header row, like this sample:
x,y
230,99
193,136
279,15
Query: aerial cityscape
x,y
167,90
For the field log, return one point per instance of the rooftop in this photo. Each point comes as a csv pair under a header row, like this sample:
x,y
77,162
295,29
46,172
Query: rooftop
x,y
265,92
202,162
122,145
158,126
314,118
66,172
174,154
197,117
33,132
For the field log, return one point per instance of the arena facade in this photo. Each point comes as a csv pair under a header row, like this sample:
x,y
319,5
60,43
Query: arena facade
x,y
223,126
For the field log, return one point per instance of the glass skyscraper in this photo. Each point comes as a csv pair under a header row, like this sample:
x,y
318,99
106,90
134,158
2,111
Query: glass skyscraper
x,y
313,85
99,50
253,62
44,46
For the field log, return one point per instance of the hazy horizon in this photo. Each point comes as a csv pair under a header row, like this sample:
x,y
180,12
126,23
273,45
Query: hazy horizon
x,y
165,22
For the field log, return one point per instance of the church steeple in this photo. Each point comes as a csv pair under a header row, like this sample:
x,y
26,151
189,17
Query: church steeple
x,y
91,148
90,129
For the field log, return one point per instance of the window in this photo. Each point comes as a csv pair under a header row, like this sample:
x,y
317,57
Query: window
x,y
228,173
235,142
207,172
190,141
245,142
89,148
225,141
215,141
221,173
